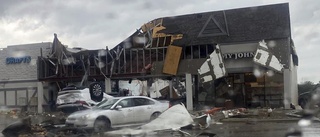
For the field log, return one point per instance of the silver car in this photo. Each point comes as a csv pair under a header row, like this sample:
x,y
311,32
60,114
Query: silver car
x,y
118,112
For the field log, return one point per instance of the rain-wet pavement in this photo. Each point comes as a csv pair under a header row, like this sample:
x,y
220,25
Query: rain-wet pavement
x,y
262,129
226,129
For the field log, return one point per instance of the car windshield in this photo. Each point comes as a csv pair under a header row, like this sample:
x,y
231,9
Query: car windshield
x,y
106,104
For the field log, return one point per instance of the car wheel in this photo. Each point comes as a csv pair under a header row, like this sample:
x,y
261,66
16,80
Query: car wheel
x,y
155,115
101,125
96,91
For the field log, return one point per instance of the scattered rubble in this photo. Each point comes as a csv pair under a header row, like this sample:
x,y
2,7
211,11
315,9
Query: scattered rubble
x,y
175,119
30,124
22,126
214,110
47,128
172,119
203,121
240,112
303,114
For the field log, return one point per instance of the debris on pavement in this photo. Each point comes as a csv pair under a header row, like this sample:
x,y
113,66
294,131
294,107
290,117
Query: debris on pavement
x,y
12,112
34,124
269,111
20,127
239,112
203,121
297,114
172,119
214,110
303,114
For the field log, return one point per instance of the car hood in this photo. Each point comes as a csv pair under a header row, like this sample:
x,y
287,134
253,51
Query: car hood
x,y
86,112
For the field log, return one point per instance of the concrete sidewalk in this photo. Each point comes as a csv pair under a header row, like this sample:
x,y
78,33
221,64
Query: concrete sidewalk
x,y
259,115
253,120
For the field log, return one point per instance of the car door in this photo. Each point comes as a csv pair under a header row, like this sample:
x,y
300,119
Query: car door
x,y
124,115
144,109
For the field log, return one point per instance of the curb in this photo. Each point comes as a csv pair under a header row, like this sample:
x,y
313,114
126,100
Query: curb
x,y
260,120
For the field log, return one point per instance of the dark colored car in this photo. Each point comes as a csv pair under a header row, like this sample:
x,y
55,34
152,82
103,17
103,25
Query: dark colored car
x,y
304,98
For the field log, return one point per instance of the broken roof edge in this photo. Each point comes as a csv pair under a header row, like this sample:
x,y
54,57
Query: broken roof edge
x,y
127,39
72,50
28,44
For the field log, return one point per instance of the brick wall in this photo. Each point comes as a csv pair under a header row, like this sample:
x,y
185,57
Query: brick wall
x,y
22,71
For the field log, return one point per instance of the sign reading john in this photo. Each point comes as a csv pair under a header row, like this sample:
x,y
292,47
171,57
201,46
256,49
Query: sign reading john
x,y
18,60
238,55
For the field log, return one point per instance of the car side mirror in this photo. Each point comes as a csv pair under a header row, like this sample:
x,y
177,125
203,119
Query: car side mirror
x,y
118,107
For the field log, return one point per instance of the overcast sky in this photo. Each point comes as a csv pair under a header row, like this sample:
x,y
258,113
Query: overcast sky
x,y
100,23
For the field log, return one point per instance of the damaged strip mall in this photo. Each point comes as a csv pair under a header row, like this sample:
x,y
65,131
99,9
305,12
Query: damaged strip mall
x,y
220,58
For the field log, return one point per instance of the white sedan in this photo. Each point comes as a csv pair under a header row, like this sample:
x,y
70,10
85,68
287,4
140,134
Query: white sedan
x,y
72,100
118,112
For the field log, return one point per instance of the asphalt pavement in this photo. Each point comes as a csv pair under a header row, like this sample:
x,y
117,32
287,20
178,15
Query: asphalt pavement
x,y
258,125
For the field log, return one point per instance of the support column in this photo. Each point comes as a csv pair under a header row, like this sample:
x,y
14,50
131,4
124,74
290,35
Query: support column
x,y
40,96
189,91
108,85
156,84
294,84
287,88
170,88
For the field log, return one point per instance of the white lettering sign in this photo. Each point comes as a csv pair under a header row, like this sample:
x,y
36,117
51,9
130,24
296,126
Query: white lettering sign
x,y
238,55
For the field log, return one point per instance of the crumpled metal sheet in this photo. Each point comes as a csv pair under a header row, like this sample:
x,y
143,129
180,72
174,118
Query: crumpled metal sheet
x,y
172,119
213,68
203,121
264,57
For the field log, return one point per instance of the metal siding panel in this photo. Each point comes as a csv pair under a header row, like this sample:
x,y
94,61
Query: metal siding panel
x,y
22,97
10,95
2,98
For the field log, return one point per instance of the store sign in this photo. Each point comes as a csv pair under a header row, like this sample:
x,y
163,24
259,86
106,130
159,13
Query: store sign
x,y
18,60
238,55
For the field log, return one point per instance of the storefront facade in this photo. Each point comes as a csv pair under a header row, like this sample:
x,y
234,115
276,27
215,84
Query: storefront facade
x,y
19,85
259,60
250,85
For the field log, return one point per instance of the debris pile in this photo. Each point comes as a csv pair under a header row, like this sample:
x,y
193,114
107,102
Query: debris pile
x,y
239,112
13,113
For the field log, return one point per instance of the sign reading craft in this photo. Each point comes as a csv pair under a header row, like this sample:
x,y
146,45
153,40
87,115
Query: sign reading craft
x,y
18,60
